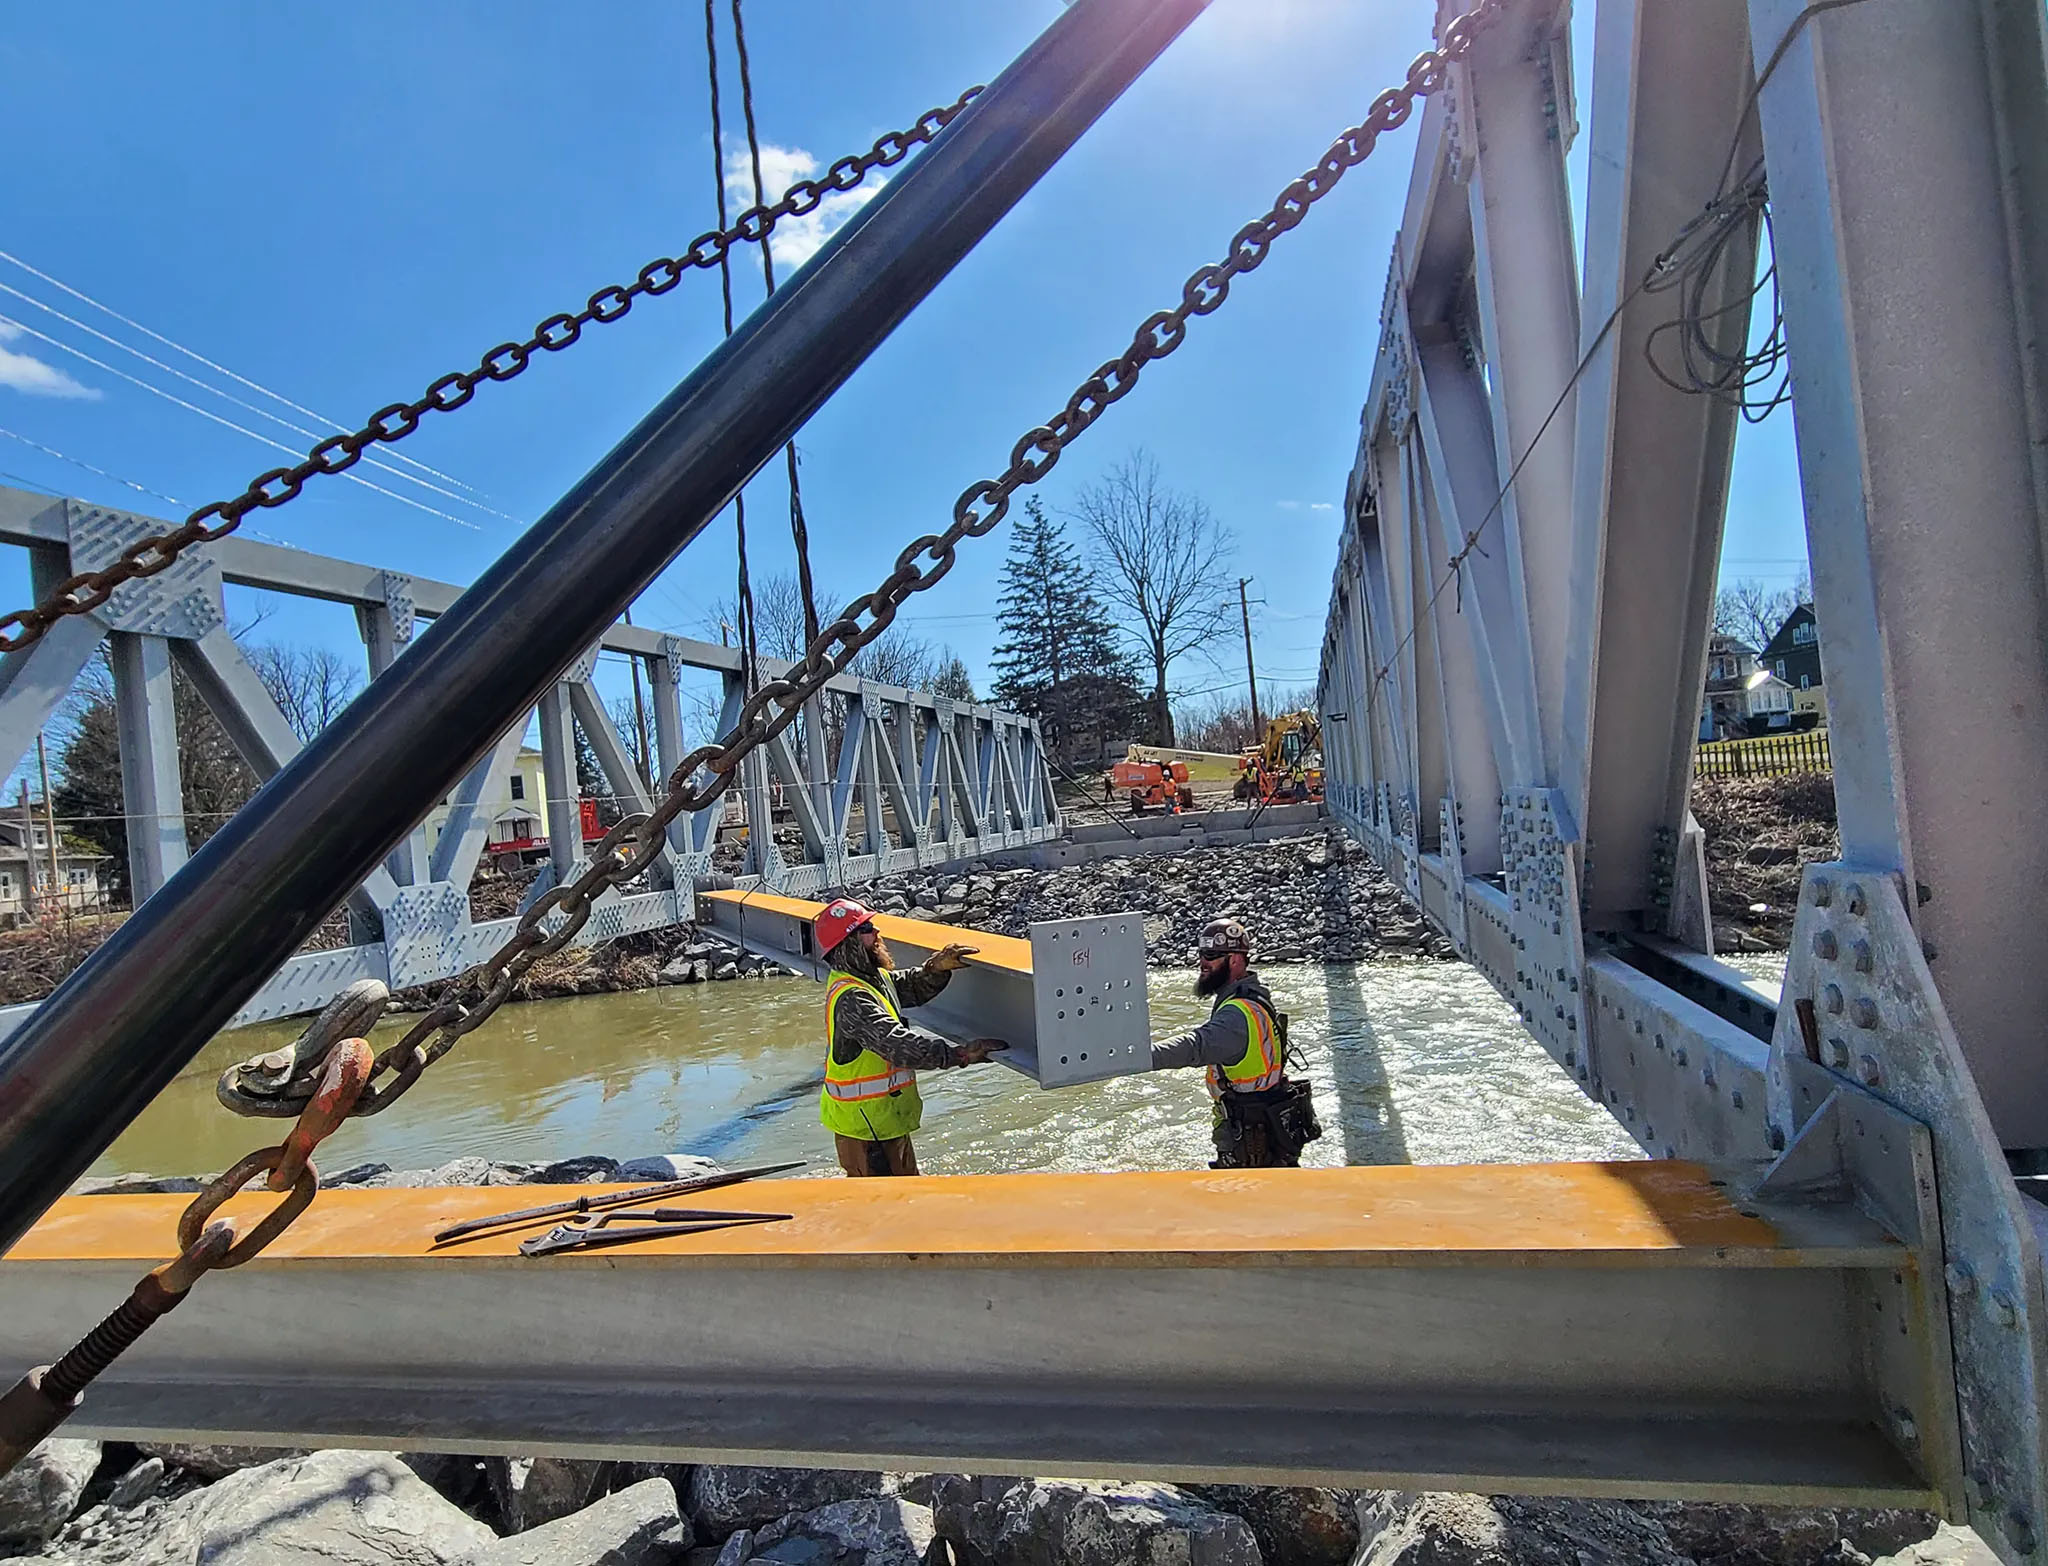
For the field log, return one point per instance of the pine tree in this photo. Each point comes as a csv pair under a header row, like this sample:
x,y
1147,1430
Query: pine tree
x,y
1058,658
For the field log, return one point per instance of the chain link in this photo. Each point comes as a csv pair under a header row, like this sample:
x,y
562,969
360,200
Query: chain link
x,y
633,844
338,453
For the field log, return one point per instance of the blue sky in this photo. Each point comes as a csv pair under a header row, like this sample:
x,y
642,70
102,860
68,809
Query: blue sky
x,y
342,210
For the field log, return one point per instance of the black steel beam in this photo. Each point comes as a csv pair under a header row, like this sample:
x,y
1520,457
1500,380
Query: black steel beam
x,y
133,1015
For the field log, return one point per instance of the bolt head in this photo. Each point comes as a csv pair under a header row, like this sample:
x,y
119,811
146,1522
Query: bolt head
x,y
1831,997
1823,891
1860,954
1962,1282
1837,1054
1865,1013
1824,945
1857,902
2004,1310
1776,1136
1868,1072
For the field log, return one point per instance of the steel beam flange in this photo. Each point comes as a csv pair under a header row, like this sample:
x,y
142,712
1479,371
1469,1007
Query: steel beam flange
x,y
1882,1025
182,601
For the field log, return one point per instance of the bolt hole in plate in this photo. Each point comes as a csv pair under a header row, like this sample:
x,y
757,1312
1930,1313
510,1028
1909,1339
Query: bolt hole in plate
x,y
1078,967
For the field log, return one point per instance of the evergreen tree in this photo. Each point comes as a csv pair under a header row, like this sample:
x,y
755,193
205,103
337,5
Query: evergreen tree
x,y
1058,657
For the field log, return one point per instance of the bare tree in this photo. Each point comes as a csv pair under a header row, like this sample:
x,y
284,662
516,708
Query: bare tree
x,y
1162,556
632,735
309,684
1752,613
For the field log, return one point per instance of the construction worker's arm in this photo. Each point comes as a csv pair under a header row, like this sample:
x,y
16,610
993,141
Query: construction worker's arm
x,y
1221,1041
861,1023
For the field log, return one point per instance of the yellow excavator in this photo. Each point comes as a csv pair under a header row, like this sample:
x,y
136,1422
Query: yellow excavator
x,y
1287,767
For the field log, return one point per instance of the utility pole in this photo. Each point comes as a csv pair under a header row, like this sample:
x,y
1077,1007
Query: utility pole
x,y
1250,675
50,824
31,902
640,718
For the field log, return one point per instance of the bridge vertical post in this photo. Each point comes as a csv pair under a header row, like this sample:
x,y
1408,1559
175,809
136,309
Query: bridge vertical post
x,y
152,798
1925,492
386,628
1653,461
558,775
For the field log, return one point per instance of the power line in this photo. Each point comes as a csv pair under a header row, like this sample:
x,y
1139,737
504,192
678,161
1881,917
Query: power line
x,y
278,445
222,369
261,413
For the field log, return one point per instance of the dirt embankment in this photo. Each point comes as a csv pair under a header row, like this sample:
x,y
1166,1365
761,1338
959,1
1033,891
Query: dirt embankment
x,y
1760,834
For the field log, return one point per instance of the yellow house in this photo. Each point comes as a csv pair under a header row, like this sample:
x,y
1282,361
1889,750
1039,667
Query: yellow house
x,y
516,804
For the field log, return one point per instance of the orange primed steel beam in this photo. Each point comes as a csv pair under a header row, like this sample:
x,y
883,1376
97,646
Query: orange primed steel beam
x,y
994,951
1555,1329
1622,1214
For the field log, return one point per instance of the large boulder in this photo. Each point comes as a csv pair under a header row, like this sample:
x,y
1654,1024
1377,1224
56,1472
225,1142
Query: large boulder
x,y
1729,1535
724,1498
1065,1522
1294,1526
1437,1528
967,1512
638,1526
38,1496
533,1491
1949,1546
876,1531
669,1166
329,1509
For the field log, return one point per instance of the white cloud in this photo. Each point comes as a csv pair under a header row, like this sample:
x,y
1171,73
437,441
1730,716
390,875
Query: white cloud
x,y
795,239
28,374
1321,505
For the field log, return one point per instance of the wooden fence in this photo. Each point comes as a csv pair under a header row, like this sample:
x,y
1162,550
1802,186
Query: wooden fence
x,y
1775,755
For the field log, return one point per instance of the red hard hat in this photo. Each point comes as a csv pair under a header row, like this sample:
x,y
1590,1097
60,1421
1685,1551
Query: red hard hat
x,y
840,919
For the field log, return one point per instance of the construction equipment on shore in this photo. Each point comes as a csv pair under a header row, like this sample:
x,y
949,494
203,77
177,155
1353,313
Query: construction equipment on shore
x,y
1287,766
1152,784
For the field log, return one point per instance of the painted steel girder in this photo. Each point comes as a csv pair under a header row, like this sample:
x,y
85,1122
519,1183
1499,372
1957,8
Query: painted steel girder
x,y
1082,1324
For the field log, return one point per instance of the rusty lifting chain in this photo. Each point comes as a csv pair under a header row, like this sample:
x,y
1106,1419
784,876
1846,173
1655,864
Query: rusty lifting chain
x,y
631,846
338,453
48,1395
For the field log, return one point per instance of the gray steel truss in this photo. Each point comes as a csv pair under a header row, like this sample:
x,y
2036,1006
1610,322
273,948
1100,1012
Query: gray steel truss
x,y
877,779
1512,667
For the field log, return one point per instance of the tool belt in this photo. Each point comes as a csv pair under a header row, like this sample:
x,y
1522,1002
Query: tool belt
x,y
1265,1130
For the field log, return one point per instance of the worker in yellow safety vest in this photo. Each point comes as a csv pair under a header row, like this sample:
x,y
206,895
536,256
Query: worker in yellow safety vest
x,y
1262,1119
872,1057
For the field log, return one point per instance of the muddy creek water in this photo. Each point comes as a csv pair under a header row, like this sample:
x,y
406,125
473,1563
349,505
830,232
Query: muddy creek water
x,y
1412,1063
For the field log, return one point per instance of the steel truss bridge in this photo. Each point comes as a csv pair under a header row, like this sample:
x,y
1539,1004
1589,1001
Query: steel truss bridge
x,y
1825,1284
912,779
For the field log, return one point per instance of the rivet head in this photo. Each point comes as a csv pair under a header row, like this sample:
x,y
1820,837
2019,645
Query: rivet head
x,y
1824,945
1866,1014
1706,1076
1678,1055
1823,891
1962,1282
1905,1427
1868,1072
1859,953
1831,997
2003,1309
1857,902
1837,1053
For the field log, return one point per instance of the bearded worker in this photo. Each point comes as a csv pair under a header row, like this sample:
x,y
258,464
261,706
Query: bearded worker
x,y
872,1056
1262,1119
